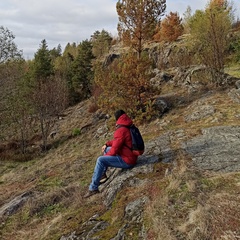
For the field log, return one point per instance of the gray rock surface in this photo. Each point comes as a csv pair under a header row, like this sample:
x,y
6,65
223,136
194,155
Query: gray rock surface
x,y
134,209
119,178
11,207
200,112
217,149
234,94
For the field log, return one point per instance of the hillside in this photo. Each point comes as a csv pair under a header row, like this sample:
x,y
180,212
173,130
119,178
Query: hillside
x,y
185,186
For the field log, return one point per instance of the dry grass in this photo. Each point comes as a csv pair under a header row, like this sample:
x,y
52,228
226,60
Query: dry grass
x,y
58,180
195,206
182,204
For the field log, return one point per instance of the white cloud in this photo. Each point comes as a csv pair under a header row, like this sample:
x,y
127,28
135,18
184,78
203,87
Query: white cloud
x,y
181,6
63,21
59,22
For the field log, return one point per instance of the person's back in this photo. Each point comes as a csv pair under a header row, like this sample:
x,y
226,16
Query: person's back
x,y
122,143
117,152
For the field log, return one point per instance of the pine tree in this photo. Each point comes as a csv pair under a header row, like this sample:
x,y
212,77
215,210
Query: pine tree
x,y
82,73
42,65
138,21
47,91
125,84
101,43
171,28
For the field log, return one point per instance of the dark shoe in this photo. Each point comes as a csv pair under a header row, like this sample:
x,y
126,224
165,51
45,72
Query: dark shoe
x,y
90,193
103,179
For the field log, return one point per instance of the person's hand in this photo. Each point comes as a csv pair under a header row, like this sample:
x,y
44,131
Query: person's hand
x,y
104,147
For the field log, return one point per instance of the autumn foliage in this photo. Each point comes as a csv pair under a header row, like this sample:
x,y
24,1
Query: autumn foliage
x,y
125,84
218,3
138,21
170,29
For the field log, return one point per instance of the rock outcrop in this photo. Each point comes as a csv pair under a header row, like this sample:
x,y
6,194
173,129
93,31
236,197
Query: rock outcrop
x,y
217,149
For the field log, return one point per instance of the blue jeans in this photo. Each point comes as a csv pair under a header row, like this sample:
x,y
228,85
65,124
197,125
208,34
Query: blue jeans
x,y
103,162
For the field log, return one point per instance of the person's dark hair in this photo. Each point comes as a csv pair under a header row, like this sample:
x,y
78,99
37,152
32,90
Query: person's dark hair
x,y
118,113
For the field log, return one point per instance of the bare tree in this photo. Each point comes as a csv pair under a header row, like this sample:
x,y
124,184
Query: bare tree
x,y
49,99
48,91
8,49
11,100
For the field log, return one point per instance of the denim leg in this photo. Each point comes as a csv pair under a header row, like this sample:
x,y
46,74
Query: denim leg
x,y
105,151
103,162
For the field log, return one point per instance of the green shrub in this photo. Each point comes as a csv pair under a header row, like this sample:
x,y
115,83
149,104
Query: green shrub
x,y
76,132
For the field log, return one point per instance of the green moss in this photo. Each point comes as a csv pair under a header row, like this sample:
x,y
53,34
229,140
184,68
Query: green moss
x,y
50,210
233,70
76,132
49,182
115,215
228,184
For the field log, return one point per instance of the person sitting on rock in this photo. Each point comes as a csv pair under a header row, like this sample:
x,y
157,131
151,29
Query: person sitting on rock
x,y
116,153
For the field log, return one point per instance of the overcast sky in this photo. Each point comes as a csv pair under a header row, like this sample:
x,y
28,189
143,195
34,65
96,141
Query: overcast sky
x,y
68,21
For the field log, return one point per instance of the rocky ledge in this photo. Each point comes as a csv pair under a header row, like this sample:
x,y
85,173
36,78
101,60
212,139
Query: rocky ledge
x,y
216,149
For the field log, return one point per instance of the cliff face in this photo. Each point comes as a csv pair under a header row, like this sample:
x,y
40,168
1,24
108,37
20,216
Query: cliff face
x,y
185,186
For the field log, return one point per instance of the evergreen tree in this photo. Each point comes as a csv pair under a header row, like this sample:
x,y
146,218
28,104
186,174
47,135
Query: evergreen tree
x,y
71,50
47,91
56,52
101,42
171,28
42,64
82,73
125,84
138,21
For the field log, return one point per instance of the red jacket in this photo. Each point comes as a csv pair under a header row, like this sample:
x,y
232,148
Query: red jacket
x,y
122,141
